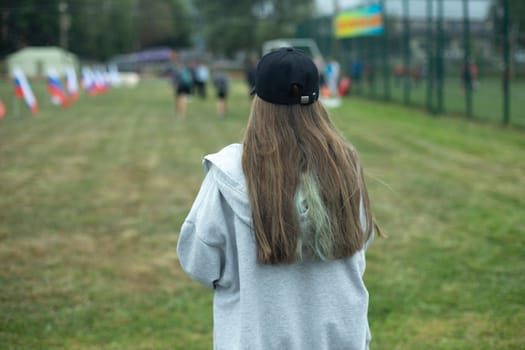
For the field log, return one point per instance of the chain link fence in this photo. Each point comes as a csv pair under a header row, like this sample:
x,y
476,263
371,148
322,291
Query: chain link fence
x,y
446,56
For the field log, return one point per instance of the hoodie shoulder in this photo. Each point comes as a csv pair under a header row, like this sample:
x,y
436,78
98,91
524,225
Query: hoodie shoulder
x,y
226,166
227,158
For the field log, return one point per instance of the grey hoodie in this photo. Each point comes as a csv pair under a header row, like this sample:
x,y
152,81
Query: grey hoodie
x,y
303,306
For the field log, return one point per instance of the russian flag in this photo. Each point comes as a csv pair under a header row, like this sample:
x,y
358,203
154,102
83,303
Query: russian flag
x,y
55,89
86,78
101,81
72,83
114,76
88,81
23,90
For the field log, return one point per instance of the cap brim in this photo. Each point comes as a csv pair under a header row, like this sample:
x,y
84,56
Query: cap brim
x,y
253,91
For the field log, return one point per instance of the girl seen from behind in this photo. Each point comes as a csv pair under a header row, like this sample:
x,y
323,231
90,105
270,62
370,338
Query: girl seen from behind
x,y
281,223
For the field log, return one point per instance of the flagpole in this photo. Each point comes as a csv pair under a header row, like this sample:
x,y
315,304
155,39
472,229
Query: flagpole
x,y
335,47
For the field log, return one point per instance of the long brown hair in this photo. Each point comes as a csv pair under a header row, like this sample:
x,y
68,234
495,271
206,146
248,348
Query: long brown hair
x,y
281,144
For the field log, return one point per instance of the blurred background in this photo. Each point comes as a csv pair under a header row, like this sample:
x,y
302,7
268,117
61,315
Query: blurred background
x,y
448,56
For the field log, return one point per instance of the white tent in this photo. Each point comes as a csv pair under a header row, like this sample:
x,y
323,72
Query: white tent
x,y
35,61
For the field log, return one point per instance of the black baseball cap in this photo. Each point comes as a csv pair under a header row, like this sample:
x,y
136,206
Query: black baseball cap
x,y
281,69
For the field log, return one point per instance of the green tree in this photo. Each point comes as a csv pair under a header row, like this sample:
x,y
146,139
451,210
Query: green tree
x,y
226,24
516,17
103,28
163,22
98,29
231,25
28,22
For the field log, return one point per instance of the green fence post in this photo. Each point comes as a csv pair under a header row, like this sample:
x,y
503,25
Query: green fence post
x,y
406,53
384,55
359,55
466,73
336,49
430,58
372,66
506,63
440,69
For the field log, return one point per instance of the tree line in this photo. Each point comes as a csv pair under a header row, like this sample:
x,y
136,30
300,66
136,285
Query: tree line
x,y
98,29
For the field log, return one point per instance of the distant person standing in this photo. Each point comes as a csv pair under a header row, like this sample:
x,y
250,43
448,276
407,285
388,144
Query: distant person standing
x,y
466,76
202,75
332,77
221,82
474,75
182,82
357,72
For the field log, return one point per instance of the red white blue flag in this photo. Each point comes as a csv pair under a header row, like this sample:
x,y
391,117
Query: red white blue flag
x,y
114,76
23,90
87,79
94,81
101,81
55,89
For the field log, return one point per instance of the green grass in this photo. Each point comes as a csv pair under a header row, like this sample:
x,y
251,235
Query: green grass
x,y
92,198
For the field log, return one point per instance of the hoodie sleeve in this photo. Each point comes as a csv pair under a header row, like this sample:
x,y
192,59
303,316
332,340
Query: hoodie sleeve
x,y
202,241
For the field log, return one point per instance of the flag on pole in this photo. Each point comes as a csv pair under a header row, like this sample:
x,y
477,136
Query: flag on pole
x,y
55,89
87,79
92,81
101,81
23,90
72,83
114,76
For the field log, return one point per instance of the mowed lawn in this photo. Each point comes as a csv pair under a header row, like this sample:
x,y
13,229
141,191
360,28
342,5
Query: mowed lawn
x,y
92,199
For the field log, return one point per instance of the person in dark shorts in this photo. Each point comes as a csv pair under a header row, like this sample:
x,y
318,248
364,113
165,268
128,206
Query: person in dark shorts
x,y
221,83
182,81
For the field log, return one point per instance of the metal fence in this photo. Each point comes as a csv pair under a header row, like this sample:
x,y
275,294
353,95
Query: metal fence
x,y
445,62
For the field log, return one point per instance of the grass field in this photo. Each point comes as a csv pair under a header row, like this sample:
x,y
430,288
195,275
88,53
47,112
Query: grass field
x,y
92,198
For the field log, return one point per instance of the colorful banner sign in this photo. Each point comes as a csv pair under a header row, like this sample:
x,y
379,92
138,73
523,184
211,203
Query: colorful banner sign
x,y
362,21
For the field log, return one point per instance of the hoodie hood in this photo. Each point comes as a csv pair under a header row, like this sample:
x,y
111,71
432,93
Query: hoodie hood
x,y
225,166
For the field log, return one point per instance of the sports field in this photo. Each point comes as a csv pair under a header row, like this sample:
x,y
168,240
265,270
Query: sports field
x,y
92,199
